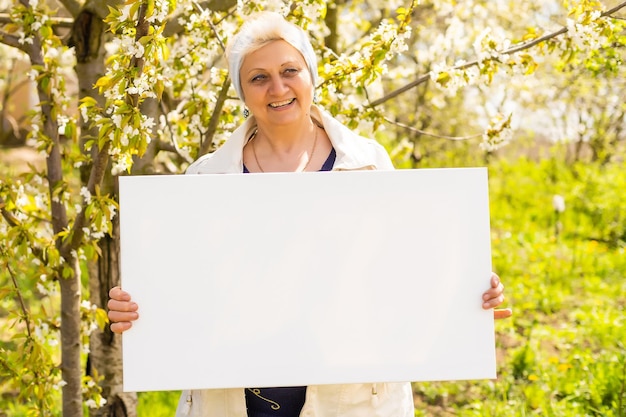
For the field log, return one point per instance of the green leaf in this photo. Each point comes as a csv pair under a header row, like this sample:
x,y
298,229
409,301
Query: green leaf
x,y
158,89
443,78
11,28
6,292
101,318
67,271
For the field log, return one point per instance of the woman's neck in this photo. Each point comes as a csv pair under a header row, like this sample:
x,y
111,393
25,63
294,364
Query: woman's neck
x,y
283,149
286,139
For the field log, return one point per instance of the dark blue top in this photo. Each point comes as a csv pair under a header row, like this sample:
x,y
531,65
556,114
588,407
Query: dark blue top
x,y
275,402
280,401
328,165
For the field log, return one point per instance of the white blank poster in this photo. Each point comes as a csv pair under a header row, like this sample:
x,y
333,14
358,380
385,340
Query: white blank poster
x,y
258,280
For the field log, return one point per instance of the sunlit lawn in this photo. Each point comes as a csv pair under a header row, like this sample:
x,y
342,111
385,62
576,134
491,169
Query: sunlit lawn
x,y
562,354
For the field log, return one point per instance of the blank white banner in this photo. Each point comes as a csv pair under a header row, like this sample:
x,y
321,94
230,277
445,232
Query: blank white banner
x,y
262,280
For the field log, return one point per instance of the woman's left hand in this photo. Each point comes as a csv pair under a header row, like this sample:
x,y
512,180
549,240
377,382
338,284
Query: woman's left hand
x,y
494,296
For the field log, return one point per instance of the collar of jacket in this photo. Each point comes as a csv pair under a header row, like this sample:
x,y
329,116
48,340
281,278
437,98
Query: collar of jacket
x,y
354,152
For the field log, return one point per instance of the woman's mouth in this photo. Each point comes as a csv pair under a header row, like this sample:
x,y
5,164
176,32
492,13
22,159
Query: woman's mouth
x,y
282,103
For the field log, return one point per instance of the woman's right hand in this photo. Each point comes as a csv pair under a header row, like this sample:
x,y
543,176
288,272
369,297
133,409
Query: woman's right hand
x,y
122,310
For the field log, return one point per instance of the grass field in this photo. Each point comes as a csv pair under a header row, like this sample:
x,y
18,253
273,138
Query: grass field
x,y
563,353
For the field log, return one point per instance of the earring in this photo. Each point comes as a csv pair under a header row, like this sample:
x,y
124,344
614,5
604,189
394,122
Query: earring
x,y
246,113
316,99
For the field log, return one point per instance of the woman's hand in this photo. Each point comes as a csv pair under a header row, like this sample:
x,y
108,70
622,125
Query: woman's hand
x,y
122,310
494,296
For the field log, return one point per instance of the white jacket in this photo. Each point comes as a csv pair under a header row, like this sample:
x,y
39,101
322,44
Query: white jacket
x,y
353,151
346,400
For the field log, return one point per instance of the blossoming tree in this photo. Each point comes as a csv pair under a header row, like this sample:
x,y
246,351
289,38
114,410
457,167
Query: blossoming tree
x,y
154,94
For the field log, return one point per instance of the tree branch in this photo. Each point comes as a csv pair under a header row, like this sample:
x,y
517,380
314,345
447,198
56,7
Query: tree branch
x,y
72,6
510,51
141,30
13,41
219,104
164,146
434,135
8,216
215,117
167,147
173,26
62,22
96,177
13,221
17,289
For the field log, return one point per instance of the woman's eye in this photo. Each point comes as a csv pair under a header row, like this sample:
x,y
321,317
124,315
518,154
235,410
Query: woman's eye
x,y
258,78
291,71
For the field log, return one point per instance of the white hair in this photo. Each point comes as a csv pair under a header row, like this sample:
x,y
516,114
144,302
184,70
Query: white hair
x,y
261,29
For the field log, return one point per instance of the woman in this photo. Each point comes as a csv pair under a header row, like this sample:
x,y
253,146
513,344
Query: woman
x,y
274,71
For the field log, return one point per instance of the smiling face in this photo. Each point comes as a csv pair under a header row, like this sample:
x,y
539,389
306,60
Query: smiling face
x,y
276,84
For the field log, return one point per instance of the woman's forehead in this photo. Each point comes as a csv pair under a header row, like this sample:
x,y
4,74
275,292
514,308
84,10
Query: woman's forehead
x,y
274,53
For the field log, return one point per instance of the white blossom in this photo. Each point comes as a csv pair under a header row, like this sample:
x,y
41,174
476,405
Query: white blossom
x,y
41,330
52,53
91,403
87,305
67,58
42,289
84,112
586,36
40,202
120,165
84,192
125,13
498,134
24,40
59,385
62,121
117,120
558,203
98,235
492,143
147,123
161,11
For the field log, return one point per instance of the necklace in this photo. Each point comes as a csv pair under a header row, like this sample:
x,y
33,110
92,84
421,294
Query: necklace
x,y
307,162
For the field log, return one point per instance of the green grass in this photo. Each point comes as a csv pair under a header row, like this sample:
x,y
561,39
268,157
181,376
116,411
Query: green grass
x,y
563,353
157,403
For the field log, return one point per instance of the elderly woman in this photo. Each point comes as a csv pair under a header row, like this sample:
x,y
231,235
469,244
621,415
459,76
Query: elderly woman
x,y
274,72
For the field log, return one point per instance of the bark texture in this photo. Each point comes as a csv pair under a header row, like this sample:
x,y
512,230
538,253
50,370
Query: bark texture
x,y
105,358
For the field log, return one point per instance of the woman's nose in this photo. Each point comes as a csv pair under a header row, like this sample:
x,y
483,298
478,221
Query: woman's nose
x,y
277,86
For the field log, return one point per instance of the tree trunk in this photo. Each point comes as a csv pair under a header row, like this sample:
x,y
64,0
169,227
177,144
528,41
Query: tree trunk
x,y
331,20
70,342
70,284
106,353
105,357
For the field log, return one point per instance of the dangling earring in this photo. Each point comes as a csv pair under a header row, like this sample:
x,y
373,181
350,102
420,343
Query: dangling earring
x,y
246,113
315,99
